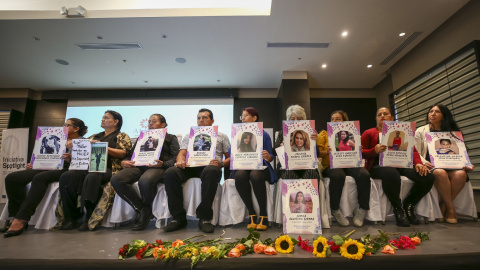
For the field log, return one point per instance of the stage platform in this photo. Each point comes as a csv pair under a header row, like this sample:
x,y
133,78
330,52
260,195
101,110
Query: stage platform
x,y
451,247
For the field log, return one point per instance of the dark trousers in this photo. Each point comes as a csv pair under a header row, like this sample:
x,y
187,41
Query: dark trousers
x,y
257,178
21,204
87,185
147,178
175,177
391,183
337,181
299,174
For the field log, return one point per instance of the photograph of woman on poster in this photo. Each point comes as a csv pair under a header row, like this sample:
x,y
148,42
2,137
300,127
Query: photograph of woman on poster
x,y
300,204
345,141
50,145
245,143
150,145
397,141
300,141
445,147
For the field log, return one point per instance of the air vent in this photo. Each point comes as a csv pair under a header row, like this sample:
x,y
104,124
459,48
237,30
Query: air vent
x,y
296,45
109,46
400,47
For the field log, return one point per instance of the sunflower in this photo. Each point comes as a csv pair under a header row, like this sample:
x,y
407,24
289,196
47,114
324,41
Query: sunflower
x,y
320,247
284,244
351,249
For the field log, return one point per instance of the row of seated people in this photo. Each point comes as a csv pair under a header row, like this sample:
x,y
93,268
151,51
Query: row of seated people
x,y
93,193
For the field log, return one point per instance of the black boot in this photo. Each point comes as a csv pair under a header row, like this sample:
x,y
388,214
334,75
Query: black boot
x,y
89,206
410,212
400,217
144,217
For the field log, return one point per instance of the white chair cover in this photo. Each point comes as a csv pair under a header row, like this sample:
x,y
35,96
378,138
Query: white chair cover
x,y
349,199
44,217
121,210
423,208
192,196
232,208
464,203
278,217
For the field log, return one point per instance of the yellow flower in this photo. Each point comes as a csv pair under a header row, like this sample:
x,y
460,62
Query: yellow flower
x,y
351,249
284,244
320,247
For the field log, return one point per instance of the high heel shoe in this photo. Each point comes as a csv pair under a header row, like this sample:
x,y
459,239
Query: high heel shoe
x,y
17,232
6,226
451,220
252,224
263,226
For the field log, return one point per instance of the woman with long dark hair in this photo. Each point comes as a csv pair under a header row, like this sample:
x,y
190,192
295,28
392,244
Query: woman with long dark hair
x,y
448,182
245,143
22,205
89,185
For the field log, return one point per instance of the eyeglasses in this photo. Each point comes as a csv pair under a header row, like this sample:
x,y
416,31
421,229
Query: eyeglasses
x,y
244,116
69,125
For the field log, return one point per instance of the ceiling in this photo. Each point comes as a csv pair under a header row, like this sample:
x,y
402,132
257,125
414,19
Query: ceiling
x,y
222,51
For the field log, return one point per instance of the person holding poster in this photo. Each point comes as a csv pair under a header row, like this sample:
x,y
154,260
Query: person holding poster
x,y
210,176
448,182
246,180
390,176
22,205
337,178
89,185
148,177
296,112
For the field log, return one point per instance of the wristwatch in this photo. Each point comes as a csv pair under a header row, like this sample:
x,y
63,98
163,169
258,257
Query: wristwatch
x,y
221,164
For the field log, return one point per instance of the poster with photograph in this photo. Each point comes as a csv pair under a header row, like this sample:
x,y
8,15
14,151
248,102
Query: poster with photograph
x,y
399,137
301,207
149,146
247,146
344,139
80,154
447,150
201,145
49,148
300,150
98,157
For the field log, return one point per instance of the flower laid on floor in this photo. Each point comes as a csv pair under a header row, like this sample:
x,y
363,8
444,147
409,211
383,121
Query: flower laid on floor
x,y
285,244
403,243
320,247
304,244
389,246
388,249
352,249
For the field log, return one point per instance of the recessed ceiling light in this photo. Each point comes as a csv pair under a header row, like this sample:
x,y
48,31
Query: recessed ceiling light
x,y
344,33
401,34
62,62
180,60
369,66
324,66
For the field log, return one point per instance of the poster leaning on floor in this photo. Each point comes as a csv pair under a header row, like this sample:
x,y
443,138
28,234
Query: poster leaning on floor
x,y
49,148
301,207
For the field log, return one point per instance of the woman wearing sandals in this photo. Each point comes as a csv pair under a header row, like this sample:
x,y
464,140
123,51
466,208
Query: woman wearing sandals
x,y
448,182
246,180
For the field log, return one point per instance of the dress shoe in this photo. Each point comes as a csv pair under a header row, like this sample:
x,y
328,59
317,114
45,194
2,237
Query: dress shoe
x,y
175,225
69,225
252,223
144,218
451,220
206,226
402,221
6,226
263,225
11,233
410,213
84,226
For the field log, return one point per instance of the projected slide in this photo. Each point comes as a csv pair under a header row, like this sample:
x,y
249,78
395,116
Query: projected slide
x,y
180,114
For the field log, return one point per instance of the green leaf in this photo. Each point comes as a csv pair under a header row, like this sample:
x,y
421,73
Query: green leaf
x,y
338,240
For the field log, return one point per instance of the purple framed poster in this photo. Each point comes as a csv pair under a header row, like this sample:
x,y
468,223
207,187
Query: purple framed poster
x,y
247,146
49,148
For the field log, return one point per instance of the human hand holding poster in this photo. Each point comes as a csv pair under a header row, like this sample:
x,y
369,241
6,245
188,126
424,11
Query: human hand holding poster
x,y
201,145
300,152
149,146
447,150
247,146
301,207
80,154
98,157
49,148
344,140
399,137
